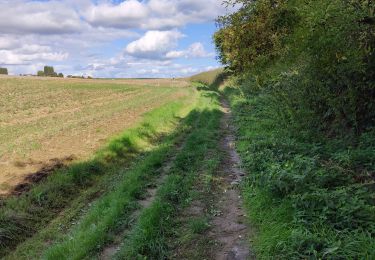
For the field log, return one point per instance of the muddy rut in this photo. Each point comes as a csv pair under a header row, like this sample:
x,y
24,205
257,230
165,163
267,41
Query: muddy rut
x,y
228,226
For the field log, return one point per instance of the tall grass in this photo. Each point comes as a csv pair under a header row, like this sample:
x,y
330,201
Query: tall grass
x,y
307,199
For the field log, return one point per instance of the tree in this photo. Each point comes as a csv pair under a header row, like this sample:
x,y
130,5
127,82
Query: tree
x,y
40,73
49,71
4,71
60,75
317,56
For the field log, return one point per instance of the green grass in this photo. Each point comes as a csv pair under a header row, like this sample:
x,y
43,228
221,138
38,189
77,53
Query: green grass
x,y
307,199
88,232
210,78
149,238
111,211
22,217
198,225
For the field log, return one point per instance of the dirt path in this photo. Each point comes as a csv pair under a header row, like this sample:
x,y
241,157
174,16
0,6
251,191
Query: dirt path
x,y
228,226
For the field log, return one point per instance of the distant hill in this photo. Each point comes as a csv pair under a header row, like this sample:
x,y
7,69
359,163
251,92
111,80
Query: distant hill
x,y
208,77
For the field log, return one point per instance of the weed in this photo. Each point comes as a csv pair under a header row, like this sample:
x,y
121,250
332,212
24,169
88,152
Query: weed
x,y
198,225
307,199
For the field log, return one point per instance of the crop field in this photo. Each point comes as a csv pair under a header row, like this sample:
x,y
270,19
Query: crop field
x,y
46,120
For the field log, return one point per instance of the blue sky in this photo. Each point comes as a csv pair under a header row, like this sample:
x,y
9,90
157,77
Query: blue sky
x,y
103,38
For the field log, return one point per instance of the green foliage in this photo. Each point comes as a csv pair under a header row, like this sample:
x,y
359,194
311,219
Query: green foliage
x,y
316,59
309,199
305,116
3,71
49,71
254,35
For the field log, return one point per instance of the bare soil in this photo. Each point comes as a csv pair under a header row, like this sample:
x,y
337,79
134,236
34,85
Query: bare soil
x,y
46,118
228,226
228,235
44,171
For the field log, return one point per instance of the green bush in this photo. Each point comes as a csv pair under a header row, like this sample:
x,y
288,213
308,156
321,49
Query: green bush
x,y
305,114
315,58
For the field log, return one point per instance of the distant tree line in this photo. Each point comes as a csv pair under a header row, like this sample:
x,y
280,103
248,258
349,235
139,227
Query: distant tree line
x,y
79,77
49,71
3,71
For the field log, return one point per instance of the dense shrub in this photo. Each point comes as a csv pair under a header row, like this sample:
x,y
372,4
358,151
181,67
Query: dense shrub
x,y
305,112
316,58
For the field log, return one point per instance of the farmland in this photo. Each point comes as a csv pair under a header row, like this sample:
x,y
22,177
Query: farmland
x,y
51,119
270,157
136,178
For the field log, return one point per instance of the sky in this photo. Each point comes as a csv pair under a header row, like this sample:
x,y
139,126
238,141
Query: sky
x,y
109,38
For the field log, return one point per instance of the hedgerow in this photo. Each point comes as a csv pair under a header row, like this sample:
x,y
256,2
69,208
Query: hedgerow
x,y
304,99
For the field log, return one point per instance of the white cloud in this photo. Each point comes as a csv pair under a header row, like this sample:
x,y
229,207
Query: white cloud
x,y
19,56
154,44
8,43
175,54
153,14
127,14
92,36
195,50
21,51
53,17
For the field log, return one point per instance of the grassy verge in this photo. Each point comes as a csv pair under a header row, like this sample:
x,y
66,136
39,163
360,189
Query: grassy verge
x,y
23,216
308,199
156,224
190,239
210,79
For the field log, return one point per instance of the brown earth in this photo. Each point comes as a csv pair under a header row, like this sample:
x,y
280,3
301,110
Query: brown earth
x,y
228,227
44,119
228,234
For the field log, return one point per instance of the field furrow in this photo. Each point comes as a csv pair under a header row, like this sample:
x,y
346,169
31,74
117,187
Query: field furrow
x,y
46,119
